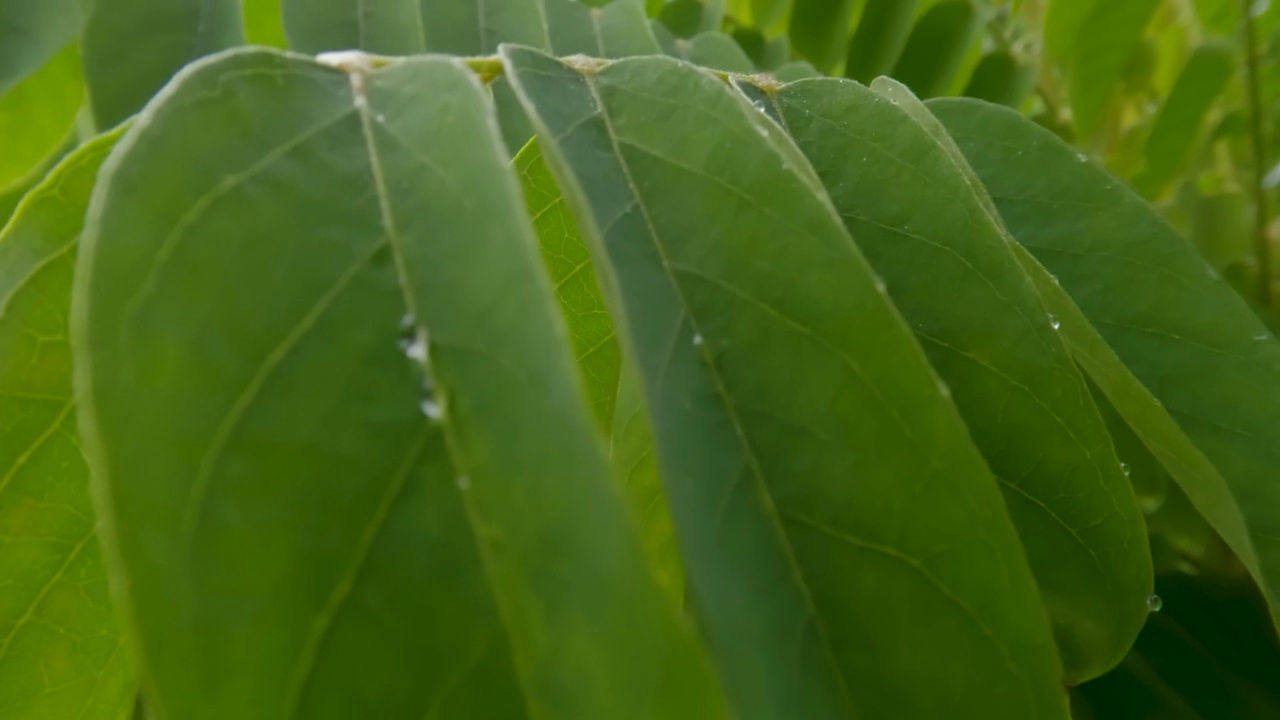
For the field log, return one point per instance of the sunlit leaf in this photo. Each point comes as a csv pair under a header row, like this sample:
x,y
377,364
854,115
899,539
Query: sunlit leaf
x,y
61,654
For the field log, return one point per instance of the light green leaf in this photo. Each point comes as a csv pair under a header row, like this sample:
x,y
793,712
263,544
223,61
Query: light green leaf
x,y
945,264
32,32
881,35
595,344
617,403
819,31
61,655
1094,41
132,47
937,47
844,545
1181,331
1181,117
472,562
264,23
38,117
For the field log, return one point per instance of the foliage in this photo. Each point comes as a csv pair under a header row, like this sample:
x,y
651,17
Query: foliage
x,y
482,362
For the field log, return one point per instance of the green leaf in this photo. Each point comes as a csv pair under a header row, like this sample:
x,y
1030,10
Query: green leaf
x,y
389,27
719,52
472,562
1002,77
1094,41
1026,406
936,49
38,117
797,70
61,655
1180,120
132,47
264,23
32,32
879,39
682,17
843,541
619,29
616,400
595,345
1181,331
819,31
406,27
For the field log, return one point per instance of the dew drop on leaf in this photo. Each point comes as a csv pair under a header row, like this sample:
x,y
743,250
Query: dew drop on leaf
x,y
432,409
1154,603
697,340
1124,468
1053,320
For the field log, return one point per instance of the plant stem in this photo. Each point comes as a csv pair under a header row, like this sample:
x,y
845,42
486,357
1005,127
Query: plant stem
x,y
1262,213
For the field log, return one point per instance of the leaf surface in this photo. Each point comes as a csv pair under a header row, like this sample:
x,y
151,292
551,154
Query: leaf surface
x,y
379,428
132,47
61,653
37,118
840,534
1181,331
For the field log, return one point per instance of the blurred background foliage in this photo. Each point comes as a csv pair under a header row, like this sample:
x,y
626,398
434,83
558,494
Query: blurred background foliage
x,y
1181,98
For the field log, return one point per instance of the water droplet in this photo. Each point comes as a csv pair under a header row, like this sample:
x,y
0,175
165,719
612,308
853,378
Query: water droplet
x,y
432,409
1261,337
381,118
1124,468
759,104
415,349
1081,157
1154,603
697,340
1053,320
1055,279
463,482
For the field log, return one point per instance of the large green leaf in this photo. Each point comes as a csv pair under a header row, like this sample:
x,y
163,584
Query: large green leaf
x,y
946,262
31,33
1181,117
61,655
132,47
845,546
391,27
37,118
431,523
1094,41
1190,340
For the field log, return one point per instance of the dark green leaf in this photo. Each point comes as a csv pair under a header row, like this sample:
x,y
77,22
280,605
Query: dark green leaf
x,y
793,71
881,35
132,47
619,29
1026,406
474,562
1176,326
31,33
937,47
682,17
61,655
1001,77
843,541
819,30
719,52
